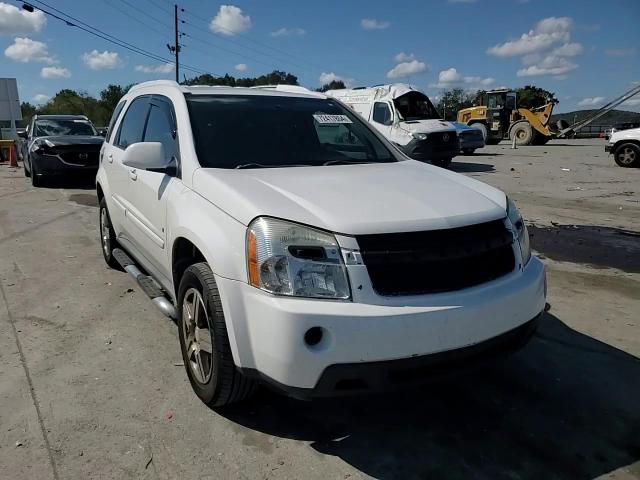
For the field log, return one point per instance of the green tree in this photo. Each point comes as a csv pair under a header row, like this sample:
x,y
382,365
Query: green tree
x,y
332,85
531,96
276,77
28,111
453,100
110,96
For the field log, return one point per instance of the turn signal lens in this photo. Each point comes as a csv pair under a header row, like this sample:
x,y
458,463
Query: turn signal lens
x,y
254,277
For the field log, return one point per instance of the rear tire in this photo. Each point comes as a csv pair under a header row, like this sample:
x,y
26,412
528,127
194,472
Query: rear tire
x,y
27,173
205,343
522,132
107,236
627,155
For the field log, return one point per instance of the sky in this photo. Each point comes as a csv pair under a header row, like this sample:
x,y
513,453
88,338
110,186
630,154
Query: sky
x,y
587,51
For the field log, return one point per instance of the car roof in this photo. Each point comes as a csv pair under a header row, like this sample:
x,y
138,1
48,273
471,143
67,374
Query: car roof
x,y
157,86
61,117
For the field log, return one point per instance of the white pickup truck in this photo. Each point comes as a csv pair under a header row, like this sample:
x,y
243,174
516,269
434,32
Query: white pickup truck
x,y
296,247
407,118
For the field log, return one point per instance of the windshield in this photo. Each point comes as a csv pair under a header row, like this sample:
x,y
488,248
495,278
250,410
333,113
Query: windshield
x,y
254,131
416,106
495,101
51,127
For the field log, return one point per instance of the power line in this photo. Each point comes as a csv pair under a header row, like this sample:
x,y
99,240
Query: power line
x,y
246,37
164,35
160,7
146,14
106,36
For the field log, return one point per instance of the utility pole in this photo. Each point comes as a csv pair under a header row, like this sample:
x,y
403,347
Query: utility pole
x,y
175,17
175,49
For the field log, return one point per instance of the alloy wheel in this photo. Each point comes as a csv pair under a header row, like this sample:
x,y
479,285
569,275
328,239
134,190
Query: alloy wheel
x,y
197,336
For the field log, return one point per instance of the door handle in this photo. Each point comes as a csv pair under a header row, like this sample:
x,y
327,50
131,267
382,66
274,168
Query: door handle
x,y
110,158
133,175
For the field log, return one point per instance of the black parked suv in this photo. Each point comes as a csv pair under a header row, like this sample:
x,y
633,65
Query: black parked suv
x,y
59,144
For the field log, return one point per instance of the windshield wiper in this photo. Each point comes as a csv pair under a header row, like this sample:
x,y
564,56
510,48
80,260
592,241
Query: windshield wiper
x,y
344,162
262,165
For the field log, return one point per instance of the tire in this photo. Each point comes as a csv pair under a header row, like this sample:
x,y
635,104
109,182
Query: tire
x,y
36,181
107,236
27,173
468,151
627,155
213,375
482,127
522,132
492,141
441,162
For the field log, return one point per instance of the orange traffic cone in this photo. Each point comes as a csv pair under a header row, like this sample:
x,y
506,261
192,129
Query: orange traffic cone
x,y
13,156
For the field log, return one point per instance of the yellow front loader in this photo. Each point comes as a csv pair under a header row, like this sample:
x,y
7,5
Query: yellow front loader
x,y
500,119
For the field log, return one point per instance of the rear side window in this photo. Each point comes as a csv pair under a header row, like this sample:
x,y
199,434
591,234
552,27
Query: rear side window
x,y
114,117
132,125
160,128
381,113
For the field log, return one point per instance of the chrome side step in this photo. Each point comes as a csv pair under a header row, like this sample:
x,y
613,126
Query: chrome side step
x,y
146,283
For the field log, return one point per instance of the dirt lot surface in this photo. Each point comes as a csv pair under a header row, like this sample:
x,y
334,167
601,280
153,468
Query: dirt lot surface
x,y
92,383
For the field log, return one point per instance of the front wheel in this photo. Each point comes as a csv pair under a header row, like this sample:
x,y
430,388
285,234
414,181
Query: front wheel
x,y
204,341
36,179
627,155
27,173
522,133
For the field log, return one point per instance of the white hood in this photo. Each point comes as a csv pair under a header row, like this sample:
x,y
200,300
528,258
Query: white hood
x,y
426,126
354,199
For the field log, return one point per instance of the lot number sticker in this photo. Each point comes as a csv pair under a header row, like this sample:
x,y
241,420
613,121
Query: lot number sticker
x,y
326,119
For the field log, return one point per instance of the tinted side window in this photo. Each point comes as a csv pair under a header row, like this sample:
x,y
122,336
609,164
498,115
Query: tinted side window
x,y
132,125
381,113
160,129
112,122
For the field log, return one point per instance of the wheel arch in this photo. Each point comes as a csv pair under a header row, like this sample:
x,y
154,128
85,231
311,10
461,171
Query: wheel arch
x,y
619,143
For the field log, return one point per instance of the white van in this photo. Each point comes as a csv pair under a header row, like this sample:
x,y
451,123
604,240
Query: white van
x,y
406,117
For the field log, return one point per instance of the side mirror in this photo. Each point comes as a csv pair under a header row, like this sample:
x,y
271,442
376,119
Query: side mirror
x,y
23,134
146,156
102,132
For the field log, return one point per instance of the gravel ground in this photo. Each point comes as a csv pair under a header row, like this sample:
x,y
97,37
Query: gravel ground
x,y
92,383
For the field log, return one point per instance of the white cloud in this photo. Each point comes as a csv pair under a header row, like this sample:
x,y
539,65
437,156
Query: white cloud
x,y
372,24
55,72
632,102
404,57
230,21
405,69
162,68
450,77
241,67
549,65
41,98
329,77
288,32
26,50
546,33
106,60
14,21
620,52
568,50
590,101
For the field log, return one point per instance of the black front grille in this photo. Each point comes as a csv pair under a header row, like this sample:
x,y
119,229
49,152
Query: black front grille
x,y
443,141
80,157
437,260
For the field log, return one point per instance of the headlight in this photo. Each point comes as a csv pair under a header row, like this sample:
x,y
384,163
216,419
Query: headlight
x,y
523,235
420,136
49,143
286,258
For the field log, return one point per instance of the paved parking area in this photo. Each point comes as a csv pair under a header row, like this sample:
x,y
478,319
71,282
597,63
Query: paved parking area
x,y
92,385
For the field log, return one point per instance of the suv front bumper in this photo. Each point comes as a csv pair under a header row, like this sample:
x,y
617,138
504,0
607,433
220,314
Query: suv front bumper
x,y
267,332
431,148
608,148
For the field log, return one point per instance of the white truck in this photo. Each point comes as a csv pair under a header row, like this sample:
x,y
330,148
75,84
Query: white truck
x,y
624,145
407,118
296,247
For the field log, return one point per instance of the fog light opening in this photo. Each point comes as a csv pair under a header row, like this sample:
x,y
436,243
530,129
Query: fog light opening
x,y
313,336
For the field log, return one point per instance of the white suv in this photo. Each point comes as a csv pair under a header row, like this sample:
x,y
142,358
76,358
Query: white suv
x,y
296,247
